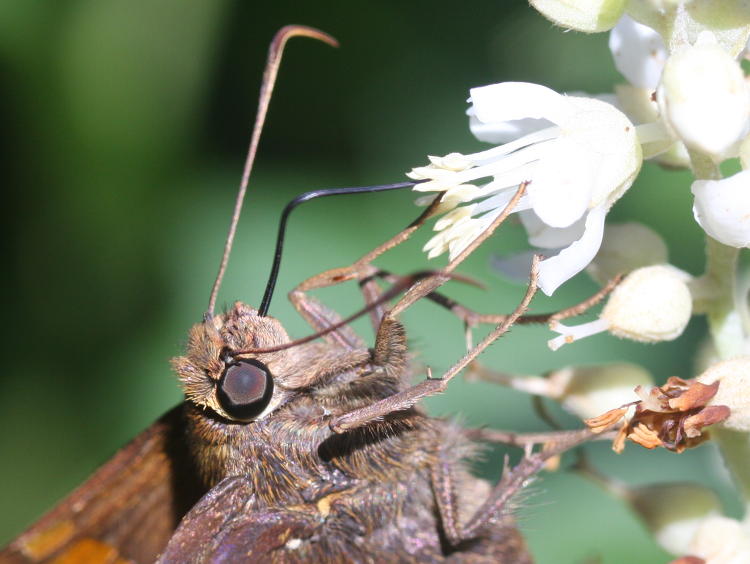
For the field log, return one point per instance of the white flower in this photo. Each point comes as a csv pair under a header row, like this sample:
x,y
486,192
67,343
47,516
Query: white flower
x,y
584,157
704,99
639,54
651,304
583,15
722,208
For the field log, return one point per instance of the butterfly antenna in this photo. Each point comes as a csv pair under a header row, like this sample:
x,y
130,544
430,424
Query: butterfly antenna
x,y
269,79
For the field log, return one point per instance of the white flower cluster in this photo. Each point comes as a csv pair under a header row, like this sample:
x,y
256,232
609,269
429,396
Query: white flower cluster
x,y
686,104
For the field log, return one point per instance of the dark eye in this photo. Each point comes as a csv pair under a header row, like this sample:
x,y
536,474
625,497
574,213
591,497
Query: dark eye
x,y
245,389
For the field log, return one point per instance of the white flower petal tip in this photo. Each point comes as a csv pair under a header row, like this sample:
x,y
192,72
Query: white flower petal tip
x,y
589,391
589,16
570,334
639,52
722,208
626,247
734,390
651,304
452,161
674,512
704,99
554,271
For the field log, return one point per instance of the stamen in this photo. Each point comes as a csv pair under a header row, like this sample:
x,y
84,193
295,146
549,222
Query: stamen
x,y
568,334
501,166
451,161
463,193
453,217
500,201
507,148
509,180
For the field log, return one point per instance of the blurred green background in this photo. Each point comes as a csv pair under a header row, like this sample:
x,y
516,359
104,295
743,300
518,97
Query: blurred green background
x,y
125,128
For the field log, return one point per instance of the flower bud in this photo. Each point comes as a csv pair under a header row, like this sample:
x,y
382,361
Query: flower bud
x,y
682,21
626,247
674,512
588,16
704,100
721,540
588,391
722,208
652,304
734,390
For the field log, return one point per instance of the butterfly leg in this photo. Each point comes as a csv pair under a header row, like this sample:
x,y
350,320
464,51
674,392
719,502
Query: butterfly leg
x,y
430,386
495,505
361,270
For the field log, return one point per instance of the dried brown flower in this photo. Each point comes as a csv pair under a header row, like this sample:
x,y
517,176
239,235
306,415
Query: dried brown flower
x,y
672,416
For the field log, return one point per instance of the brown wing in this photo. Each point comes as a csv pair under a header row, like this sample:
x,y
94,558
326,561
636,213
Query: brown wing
x,y
224,526
126,511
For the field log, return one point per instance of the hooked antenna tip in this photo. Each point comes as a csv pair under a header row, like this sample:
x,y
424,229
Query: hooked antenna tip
x,y
295,30
269,79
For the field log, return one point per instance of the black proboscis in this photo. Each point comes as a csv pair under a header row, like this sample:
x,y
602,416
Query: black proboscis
x,y
306,197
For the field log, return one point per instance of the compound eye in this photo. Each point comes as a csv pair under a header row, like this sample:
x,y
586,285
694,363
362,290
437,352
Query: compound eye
x,y
245,389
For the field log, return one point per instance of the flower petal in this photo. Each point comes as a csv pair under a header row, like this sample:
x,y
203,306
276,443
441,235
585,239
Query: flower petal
x,y
545,237
504,131
509,101
638,51
722,208
609,139
556,270
562,184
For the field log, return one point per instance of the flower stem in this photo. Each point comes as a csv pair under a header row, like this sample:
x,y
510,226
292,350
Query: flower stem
x,y
724,320
716,288
716,299
735,450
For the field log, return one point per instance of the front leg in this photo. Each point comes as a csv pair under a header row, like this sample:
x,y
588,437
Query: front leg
x,y
431,386
361,270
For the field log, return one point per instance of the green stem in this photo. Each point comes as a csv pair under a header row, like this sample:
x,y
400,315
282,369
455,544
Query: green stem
x,y
735,450
716,298
724,321
715,290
